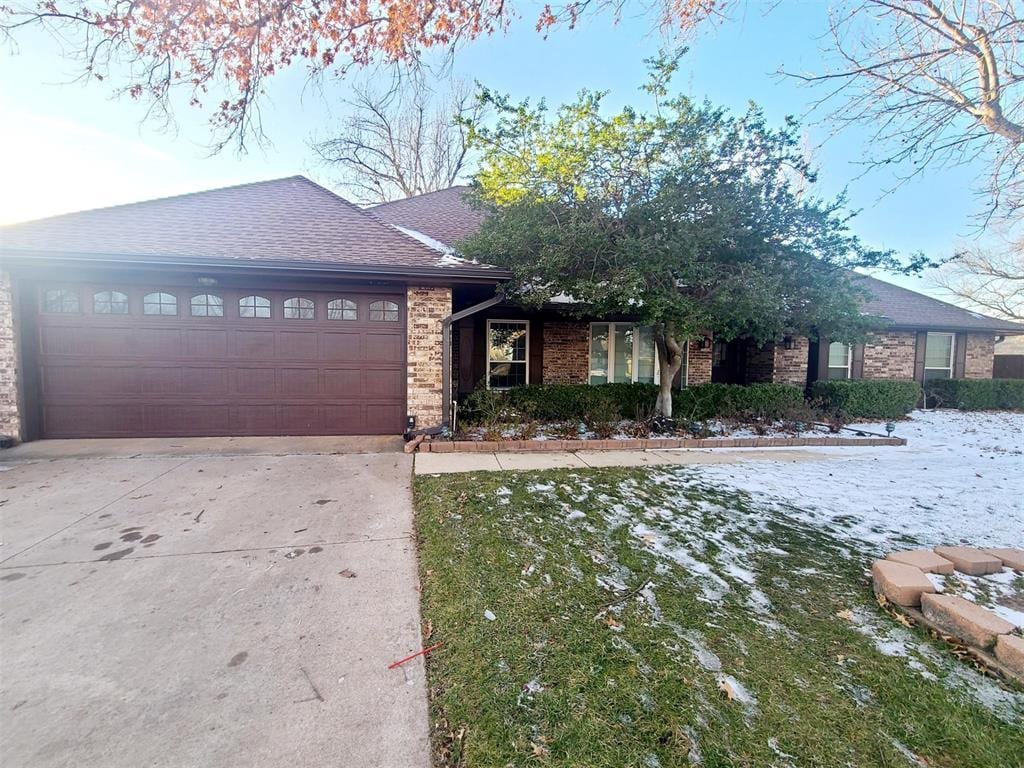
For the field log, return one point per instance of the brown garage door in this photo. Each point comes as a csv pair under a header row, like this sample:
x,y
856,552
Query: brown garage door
x,y
122,361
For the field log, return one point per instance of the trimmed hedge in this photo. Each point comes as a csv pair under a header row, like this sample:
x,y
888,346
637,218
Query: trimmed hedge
x,y
869,398
977,394
564,402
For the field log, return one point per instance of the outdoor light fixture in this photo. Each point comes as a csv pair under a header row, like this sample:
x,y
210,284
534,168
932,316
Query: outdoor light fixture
x,y
705,342
410,423
889,428
787,342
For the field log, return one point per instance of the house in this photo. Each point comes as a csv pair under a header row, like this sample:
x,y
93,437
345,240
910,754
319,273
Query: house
x,y
280,308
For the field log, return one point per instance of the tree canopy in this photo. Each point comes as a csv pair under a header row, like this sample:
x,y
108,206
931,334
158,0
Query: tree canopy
x,y
683,216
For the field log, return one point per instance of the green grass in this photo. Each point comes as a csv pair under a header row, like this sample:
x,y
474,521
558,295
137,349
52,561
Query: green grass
x,y
578,670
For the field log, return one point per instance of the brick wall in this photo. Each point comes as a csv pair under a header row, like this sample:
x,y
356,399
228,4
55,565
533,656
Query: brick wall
x,y
566,352
890,355
980,356
10,418
760,363
791,364
699,364
427,307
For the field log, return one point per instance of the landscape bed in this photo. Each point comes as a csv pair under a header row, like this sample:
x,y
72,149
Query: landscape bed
x,y
664,617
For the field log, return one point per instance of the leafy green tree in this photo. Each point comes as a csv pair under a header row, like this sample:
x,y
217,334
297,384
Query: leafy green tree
x,y
685,217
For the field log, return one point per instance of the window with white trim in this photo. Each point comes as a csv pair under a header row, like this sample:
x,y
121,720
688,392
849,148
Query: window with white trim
x,y
840,360
622,352
938,356
508,353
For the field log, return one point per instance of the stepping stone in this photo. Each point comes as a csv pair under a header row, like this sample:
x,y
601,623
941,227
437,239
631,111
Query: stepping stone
x,y
924,559
1010,651
1012,558
971,560
903,584
964,620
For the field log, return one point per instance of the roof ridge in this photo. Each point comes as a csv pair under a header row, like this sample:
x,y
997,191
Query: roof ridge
x,y
158,200
368,213
417,197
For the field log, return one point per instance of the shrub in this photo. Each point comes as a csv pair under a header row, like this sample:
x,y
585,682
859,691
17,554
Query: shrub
x,y
869,398
977,394
565,402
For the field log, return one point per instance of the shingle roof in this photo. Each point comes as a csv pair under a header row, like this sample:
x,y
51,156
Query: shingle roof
x,y
283,220
445,215
904,308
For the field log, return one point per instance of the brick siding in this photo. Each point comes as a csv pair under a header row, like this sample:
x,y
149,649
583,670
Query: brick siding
x,y
760,363
890,355
427,307
791,364
699,371
980,356
566,353
10,416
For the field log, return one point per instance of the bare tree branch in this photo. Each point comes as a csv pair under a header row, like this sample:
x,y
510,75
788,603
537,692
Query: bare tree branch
x,y
402,141
989,280
939,83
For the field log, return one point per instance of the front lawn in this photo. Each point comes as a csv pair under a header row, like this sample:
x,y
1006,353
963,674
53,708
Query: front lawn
x,y
643,617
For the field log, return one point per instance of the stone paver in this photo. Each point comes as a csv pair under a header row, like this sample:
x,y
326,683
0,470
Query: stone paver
x,y
971,560
964,620
902,584
923,559
1010,651
1011,557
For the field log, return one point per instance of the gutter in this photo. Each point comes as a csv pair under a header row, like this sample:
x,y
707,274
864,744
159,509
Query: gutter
x,y
100,259
446,362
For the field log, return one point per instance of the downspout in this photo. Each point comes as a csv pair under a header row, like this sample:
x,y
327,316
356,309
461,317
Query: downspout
x,y
446,361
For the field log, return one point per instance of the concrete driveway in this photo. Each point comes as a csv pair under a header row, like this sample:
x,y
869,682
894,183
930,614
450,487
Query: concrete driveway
x,y
203,609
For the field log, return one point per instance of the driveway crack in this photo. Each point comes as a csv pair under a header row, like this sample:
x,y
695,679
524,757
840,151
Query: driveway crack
x,y
97,510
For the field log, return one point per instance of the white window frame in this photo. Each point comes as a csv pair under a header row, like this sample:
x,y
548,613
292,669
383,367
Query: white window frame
x,y
487,371
952,352
610,371
849,359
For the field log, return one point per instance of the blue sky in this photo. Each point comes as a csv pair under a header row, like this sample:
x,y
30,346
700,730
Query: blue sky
x,y
72,146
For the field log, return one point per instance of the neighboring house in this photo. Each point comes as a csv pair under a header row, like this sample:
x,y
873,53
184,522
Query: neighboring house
x,y
279,308
1009,360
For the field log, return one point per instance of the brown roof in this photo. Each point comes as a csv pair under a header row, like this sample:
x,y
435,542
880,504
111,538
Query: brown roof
x,y
904,308
283,220
445,215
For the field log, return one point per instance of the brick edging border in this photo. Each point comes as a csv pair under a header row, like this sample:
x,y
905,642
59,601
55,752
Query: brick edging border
x,y
538,446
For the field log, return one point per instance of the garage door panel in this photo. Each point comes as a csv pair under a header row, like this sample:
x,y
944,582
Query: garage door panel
x,y
206,343
341,346
254,381
138,375
384,348
300,382
253,344
343,382
298,345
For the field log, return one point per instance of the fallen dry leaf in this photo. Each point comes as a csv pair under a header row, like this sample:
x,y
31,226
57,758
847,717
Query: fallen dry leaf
x,y
846,613
726,688
347,574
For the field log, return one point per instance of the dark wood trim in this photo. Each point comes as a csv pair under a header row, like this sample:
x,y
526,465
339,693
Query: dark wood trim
x,y
857,366
959,355
821,367
536,353
919,350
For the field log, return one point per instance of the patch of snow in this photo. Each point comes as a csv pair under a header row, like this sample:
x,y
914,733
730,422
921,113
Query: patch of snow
x,y
960,479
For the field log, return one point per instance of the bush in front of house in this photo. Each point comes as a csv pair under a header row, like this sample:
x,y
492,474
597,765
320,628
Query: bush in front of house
x,y
868,398
585,402
977,394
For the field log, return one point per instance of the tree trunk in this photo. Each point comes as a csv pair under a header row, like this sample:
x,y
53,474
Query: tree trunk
x,y
670,360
